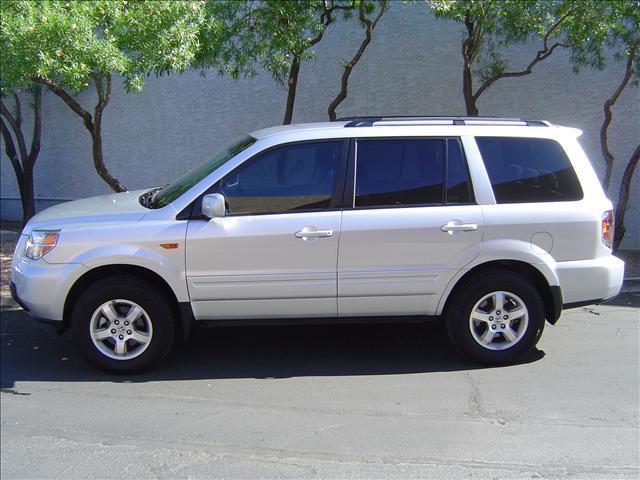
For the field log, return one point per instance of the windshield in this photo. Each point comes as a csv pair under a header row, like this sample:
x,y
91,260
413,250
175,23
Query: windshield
x,y
172,191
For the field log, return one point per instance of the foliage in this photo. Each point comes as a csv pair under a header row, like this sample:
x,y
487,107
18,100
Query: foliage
x,y
277,35
267,33
69,42
68,45
492,25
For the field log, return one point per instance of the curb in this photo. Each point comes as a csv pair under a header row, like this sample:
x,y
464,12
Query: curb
x,y
630,285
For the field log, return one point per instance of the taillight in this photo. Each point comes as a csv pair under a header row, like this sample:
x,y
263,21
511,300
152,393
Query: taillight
x,y
607,228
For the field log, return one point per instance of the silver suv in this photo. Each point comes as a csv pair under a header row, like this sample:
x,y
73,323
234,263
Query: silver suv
x,y
494,225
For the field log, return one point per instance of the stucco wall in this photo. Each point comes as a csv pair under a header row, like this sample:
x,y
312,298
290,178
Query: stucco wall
x,y
413,66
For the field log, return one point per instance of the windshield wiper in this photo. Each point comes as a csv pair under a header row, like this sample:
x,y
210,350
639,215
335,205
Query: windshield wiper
x,y
146,198
153,193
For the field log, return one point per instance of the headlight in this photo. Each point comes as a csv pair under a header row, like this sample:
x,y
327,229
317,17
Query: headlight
x,y
40,242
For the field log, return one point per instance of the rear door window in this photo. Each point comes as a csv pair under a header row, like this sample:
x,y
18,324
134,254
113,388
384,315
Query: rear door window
x,y
405,172
527,170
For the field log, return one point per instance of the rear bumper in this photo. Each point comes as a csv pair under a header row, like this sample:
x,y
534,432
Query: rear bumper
x,y
585,282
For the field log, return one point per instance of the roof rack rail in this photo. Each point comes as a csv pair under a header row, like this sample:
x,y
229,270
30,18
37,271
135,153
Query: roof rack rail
x,y
430,120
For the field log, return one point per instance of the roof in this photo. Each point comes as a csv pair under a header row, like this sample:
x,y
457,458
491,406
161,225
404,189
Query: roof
x,y
371,125
297,127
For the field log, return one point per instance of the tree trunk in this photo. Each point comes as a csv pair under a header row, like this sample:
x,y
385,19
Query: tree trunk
x,y
27,196
348,68
93,124
623,198
608,116
470,48
467,91
98,159
292,84
23,161
104,95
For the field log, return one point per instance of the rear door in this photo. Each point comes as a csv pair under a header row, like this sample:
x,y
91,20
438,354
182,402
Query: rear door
x,y
275,253
411,224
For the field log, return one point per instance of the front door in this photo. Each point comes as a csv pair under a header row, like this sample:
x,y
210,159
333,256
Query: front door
x,y
412,225
275,253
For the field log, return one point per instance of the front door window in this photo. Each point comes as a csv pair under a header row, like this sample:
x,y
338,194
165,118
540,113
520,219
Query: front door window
x,y
296,177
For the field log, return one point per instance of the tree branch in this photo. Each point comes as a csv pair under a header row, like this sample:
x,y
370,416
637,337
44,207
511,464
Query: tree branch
x,y
37,125
471,45
16,99
344,84
608,116
71,102
10,148
318,37
17,131
541,55
326,19
104,95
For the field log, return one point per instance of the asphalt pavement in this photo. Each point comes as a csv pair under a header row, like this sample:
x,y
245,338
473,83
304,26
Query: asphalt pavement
x,y
365,401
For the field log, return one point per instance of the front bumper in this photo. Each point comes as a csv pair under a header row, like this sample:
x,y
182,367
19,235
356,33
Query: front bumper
x,y
59,326
16,298
41,288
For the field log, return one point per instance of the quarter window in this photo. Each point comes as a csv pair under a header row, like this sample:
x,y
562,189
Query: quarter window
x,y
524,170
288,178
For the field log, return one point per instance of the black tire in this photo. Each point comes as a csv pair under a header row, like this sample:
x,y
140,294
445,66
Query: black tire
x,y
463,331
157,313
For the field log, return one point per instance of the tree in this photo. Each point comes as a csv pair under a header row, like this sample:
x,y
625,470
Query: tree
x,y
492,24
66,46
369,26
278,35
22,159
584,27
623,19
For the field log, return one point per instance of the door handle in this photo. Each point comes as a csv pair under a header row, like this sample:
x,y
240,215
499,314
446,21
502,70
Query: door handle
x,y
455,226
307,232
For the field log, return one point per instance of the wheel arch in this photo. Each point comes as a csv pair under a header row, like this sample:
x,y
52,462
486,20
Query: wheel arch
x,y
182,312
551,294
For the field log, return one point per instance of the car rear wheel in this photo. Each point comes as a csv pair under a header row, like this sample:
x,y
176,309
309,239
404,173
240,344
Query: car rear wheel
x,y
496,317
122,324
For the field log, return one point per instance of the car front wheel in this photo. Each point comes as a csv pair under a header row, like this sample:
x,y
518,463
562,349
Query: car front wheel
x,y
122,324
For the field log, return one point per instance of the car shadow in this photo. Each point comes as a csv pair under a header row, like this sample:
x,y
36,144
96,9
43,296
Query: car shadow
x,y
34,352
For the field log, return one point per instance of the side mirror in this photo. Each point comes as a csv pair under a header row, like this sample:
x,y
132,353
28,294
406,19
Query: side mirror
x,y
213,205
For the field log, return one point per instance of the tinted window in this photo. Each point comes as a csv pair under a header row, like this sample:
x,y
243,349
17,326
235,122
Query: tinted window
x,y
458,184
529,170
293,177
399,172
